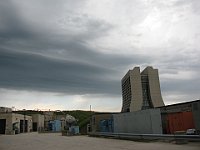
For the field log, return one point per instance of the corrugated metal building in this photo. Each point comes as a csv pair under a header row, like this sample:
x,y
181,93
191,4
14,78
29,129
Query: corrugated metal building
x,y
180,117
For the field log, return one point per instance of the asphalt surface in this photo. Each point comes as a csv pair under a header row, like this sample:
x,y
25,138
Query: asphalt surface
x,y
54,141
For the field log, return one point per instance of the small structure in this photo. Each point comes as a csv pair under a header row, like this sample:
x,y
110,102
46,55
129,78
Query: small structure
x,y
38,122
37,118
74,130
70,127
55,125
5,110
101,122
12,123
48,116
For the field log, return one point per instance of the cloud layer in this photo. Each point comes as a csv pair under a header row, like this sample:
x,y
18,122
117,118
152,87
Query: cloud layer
x,y
85,47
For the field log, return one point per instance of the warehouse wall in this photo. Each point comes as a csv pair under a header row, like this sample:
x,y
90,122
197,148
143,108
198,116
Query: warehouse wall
x,y
139,122
180,121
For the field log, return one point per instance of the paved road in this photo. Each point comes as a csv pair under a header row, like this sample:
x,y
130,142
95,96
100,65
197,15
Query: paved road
x,y
51,141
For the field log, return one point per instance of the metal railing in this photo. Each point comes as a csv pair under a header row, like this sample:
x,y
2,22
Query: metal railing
x,y
130,136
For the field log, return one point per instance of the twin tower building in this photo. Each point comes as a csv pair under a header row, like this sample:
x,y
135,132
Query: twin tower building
x,y
141,90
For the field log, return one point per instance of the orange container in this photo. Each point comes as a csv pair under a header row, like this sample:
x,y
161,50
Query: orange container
x,y
180,121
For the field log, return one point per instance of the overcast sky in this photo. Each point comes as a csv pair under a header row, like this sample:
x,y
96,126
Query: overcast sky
x,y
70,54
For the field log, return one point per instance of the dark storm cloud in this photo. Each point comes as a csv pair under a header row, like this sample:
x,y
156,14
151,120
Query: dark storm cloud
x,y
18,35
33,57
34,72
49,47
52,64
182,86
179,73
11,25
20,70
76,47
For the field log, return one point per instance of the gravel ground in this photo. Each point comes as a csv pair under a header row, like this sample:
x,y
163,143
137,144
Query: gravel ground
x,y
54,141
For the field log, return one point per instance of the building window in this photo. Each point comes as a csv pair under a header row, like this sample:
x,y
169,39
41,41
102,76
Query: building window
x,y
146,93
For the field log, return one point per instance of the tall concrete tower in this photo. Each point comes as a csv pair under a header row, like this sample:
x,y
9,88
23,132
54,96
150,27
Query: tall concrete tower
x,y
141,90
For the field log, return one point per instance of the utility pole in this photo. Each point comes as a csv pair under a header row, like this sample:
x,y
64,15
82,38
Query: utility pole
x,y
24,120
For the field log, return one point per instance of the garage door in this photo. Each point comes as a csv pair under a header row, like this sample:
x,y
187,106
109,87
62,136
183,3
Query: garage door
x,y
2,126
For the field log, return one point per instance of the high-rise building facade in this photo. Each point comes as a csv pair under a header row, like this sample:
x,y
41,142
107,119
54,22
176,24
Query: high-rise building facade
x,y
141,90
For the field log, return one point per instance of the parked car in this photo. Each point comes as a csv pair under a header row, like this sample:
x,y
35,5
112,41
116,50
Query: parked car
x,y
192,132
